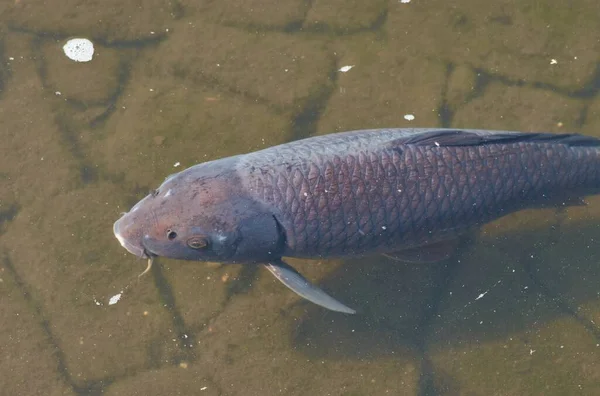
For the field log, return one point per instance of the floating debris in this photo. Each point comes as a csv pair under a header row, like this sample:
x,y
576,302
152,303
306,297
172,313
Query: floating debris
x,y
344,69
481,295
79,50
409,117
115,299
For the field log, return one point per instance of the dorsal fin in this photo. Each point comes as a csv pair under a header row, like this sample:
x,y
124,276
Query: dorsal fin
x,y
457,137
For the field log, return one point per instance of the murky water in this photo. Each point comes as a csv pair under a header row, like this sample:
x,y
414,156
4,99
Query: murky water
x,y
174,83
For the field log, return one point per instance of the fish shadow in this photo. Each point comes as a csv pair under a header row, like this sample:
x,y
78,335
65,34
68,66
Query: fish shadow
x,y
493,288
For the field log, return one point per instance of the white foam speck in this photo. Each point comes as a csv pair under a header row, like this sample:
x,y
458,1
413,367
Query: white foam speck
x,y
115,299
409,117
481,295
344,69
79,50
404,1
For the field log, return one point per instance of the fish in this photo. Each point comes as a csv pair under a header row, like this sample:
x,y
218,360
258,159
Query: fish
x,y
408,194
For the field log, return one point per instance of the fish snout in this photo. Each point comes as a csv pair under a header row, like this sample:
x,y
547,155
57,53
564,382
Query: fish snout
x,y
129,235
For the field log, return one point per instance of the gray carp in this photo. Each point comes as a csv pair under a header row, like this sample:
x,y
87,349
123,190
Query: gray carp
x,y
405,193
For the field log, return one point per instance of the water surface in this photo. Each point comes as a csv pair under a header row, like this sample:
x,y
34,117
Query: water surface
x,y
174,83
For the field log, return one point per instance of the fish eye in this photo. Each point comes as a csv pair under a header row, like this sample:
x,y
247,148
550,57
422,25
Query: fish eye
x,y
154,193
171,234
197,242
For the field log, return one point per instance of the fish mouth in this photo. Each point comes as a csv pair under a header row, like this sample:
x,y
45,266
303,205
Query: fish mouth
x,y
147,254
133,248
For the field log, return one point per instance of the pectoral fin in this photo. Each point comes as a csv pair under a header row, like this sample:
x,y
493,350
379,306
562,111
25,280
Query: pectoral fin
x,y
431,253
298,284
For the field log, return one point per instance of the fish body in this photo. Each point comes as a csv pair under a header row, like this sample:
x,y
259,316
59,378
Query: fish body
x,y
399,192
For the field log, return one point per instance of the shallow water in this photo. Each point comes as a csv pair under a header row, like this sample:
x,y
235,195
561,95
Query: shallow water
x,y
174,83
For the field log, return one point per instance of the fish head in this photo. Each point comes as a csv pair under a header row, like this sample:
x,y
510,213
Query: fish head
x,y
200,215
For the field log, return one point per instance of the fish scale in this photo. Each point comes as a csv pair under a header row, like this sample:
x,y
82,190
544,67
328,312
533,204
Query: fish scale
x,y
478,183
